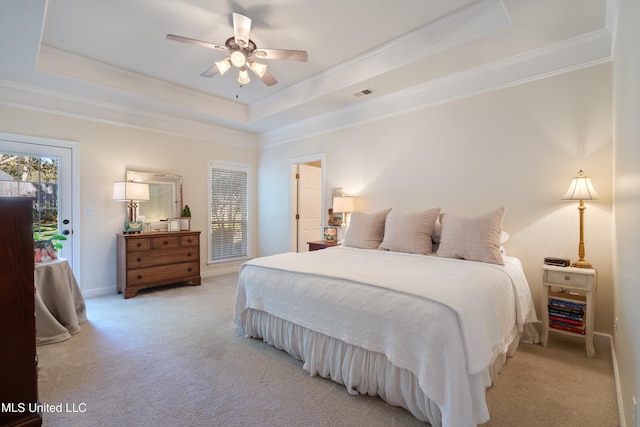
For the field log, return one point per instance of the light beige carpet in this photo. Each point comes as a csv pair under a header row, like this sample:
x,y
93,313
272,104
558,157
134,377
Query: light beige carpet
x,y
172,356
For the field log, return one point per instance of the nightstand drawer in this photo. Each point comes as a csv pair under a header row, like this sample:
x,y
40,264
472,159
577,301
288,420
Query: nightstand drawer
x,y
567,279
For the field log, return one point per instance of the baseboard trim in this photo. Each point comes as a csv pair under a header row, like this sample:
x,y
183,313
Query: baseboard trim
x,y
602,339
616,376
98,292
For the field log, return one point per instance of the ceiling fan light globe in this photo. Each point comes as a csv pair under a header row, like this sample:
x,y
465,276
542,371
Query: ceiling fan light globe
x,y
238,59
243,76
223,66
258,68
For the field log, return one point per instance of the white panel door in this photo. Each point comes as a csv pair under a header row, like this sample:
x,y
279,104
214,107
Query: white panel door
x,y
309,205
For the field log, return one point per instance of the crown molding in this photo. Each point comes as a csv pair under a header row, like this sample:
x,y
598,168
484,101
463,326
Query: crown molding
x,y
472,22
28,97
81,68
579,52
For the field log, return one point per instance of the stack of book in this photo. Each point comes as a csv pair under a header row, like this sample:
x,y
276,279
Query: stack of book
x,y
566,312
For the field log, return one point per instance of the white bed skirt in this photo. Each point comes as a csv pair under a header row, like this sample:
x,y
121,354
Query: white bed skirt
x,y
363,371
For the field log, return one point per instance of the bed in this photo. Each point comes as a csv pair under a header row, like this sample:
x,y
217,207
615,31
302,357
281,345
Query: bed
x,y
423,331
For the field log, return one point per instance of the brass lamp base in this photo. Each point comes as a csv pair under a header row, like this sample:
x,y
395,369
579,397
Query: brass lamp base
x,y
581,264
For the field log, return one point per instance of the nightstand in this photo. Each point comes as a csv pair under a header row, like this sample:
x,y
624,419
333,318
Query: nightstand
x,y
321,244
568,303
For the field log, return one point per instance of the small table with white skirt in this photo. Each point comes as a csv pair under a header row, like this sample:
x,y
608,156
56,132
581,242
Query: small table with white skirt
x,y
59,304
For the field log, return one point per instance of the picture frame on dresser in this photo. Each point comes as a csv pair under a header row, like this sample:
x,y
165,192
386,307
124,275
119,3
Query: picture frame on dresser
x,y
173,224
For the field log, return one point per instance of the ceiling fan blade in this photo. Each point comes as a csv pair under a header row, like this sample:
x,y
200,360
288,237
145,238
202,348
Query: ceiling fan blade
x,y
195,41
211,71
268,79
241,29
288,54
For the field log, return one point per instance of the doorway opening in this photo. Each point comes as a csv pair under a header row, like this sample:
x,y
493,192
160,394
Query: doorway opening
x,y
307,201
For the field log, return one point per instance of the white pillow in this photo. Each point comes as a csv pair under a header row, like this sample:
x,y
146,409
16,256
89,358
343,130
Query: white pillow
x,y
475,239
409,232
365,231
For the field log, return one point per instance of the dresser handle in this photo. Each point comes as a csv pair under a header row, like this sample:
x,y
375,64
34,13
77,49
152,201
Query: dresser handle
x,y
189,270
165,242
139,244
138,259
139,276
189,254
567,278
189,240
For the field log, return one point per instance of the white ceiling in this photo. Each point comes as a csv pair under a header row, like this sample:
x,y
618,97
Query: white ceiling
x,y
110,60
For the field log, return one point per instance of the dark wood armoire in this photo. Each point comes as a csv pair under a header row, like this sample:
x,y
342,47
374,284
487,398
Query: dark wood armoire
x,y
18,360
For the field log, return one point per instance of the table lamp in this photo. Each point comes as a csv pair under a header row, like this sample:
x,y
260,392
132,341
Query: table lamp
x,y
581,189
343,204
132,193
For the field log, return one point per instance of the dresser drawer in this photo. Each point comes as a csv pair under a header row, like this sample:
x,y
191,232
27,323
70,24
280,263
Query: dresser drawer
x,y
165,242
135,245
562,278
160,257
186,241
162,273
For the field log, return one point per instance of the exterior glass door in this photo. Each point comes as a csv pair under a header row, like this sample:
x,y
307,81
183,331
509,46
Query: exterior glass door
x,y
44,173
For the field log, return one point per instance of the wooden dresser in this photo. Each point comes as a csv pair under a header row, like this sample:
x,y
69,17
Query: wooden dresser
x,y
154,259
18,361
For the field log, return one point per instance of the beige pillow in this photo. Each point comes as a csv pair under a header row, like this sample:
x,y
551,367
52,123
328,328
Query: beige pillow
x,y
365,230
409,232
475,239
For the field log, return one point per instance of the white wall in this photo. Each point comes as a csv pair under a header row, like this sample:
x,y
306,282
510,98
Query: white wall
x,y
627,203
517,147
106,152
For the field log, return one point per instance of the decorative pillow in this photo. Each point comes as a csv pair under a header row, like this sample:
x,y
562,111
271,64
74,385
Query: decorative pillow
x,y
437,232
365,231
409,232
475,239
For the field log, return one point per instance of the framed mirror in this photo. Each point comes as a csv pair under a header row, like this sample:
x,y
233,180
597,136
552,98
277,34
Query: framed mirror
x,y
165,196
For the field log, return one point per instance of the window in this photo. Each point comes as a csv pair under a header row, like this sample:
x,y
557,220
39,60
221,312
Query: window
x,y
33,176
229,211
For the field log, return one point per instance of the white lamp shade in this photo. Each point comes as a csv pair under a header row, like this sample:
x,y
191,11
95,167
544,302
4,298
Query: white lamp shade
x,y
243,76
343,204
223,66
126,191
581,189
258,68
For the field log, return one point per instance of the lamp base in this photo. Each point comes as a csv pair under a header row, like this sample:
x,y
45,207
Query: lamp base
x,y
581,264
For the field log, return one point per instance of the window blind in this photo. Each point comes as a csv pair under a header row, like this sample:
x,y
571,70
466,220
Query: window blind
x,y
229,212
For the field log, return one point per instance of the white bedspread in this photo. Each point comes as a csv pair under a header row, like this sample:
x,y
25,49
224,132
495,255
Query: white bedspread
x,y
444,320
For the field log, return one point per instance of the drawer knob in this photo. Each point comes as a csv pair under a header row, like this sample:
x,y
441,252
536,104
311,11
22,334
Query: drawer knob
x,y
189,240
139,259
165,242
139,244
190,269
189,254
567,278
139,276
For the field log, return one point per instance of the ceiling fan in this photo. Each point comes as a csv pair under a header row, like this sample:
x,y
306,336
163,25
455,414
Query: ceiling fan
x,y
243,53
